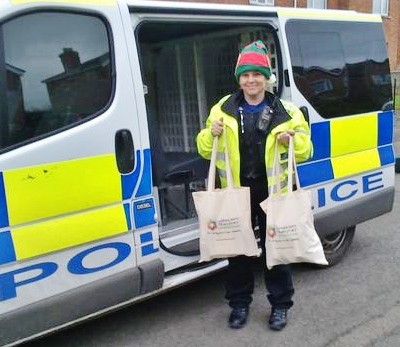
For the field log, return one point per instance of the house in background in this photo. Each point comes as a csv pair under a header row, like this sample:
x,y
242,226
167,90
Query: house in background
x,y
388,9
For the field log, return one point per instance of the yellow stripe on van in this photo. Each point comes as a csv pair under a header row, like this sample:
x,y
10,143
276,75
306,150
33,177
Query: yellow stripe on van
x,y
353,134
86,2
57,234
329,14
60,188
355,163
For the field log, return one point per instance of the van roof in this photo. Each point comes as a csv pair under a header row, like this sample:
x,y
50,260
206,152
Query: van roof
x,y
219,8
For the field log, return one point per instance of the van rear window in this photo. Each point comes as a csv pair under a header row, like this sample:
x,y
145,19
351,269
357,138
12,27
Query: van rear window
x,y
341,68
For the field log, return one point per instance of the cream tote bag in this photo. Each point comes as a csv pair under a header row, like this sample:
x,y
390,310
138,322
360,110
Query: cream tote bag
x,y
224,217
291,236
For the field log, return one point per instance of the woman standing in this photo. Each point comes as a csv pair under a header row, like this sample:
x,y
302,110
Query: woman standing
x,y
254,120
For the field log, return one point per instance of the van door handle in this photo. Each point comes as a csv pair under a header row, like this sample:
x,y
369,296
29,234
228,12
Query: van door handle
x,y
286,78
125,151
304,109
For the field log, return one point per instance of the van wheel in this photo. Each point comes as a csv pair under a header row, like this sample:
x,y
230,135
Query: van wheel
x,y
336,245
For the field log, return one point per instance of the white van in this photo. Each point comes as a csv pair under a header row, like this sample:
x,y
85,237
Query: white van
x,y
101,101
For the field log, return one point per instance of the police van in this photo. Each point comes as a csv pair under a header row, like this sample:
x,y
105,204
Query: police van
x,y
101,102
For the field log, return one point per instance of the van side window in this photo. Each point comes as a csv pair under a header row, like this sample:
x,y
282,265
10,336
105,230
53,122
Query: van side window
x,y
54,73
340,68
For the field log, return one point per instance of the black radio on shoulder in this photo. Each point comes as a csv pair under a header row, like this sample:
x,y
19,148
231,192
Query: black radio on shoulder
x,y
265,119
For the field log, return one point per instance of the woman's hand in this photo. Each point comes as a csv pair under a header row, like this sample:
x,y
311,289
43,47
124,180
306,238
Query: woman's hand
x,y
217,127
283,138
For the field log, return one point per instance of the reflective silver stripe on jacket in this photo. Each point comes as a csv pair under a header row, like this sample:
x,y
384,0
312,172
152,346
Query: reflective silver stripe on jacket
x,y
283,183
283,168
221,173
221,156
301,131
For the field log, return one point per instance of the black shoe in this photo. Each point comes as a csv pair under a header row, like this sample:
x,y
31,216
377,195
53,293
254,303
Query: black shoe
x,y
238,317
278,318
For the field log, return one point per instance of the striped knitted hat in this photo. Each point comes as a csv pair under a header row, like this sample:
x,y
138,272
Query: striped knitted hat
x,y
254,57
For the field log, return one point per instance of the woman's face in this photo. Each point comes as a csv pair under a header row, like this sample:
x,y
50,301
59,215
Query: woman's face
x,y
253,84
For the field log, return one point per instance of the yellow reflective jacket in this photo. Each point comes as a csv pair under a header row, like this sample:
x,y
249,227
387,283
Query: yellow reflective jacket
x,y
227,108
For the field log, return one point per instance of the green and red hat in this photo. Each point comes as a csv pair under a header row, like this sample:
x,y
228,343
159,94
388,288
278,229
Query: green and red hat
x,y
254,57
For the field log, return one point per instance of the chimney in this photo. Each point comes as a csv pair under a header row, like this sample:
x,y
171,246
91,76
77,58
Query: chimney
x,y
70,59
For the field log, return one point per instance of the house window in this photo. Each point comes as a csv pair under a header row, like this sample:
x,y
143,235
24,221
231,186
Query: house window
x,y
262,2
316,4
380,7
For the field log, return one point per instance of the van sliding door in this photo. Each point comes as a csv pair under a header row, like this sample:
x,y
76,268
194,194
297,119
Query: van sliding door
x,y
186,68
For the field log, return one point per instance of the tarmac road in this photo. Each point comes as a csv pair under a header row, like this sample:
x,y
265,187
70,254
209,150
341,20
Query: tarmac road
x,y
353,304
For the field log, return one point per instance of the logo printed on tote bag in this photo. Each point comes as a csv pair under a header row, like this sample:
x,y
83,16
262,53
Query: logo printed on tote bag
x,y
271,232
282,234
230,225
211,225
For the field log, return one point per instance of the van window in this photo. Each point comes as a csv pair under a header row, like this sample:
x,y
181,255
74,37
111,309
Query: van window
x,y
187,67
341,68
54,72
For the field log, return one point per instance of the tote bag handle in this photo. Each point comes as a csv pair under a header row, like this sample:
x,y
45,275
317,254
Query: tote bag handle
x,y
292,168
213,161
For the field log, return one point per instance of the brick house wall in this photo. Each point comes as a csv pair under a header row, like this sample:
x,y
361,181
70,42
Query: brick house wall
x,y
391,22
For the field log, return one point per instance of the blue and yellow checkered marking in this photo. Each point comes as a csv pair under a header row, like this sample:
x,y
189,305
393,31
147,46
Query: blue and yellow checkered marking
x,y
146,237
3,205
385,128
348,146
144,213
329,15
129,181
149,248
50,207
127,209
7,252
56,189
145,185
314,173
386,155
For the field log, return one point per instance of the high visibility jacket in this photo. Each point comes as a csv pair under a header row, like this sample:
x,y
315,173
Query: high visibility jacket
x,y
227,108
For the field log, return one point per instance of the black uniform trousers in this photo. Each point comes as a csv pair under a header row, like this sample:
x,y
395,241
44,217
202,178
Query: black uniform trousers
x,y
240,276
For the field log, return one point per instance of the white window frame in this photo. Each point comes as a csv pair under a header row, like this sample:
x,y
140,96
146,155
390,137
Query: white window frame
x,y
262,2
316,4
380,7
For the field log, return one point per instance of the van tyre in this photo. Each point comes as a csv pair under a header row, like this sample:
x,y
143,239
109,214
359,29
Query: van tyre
x,y
336,245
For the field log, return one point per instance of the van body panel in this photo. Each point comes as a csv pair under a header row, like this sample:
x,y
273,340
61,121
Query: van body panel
x,y
67,212
76,303
98,158
355,212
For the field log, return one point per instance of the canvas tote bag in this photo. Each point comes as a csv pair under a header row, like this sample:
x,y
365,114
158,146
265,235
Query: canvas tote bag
x,y
224,216
291,236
